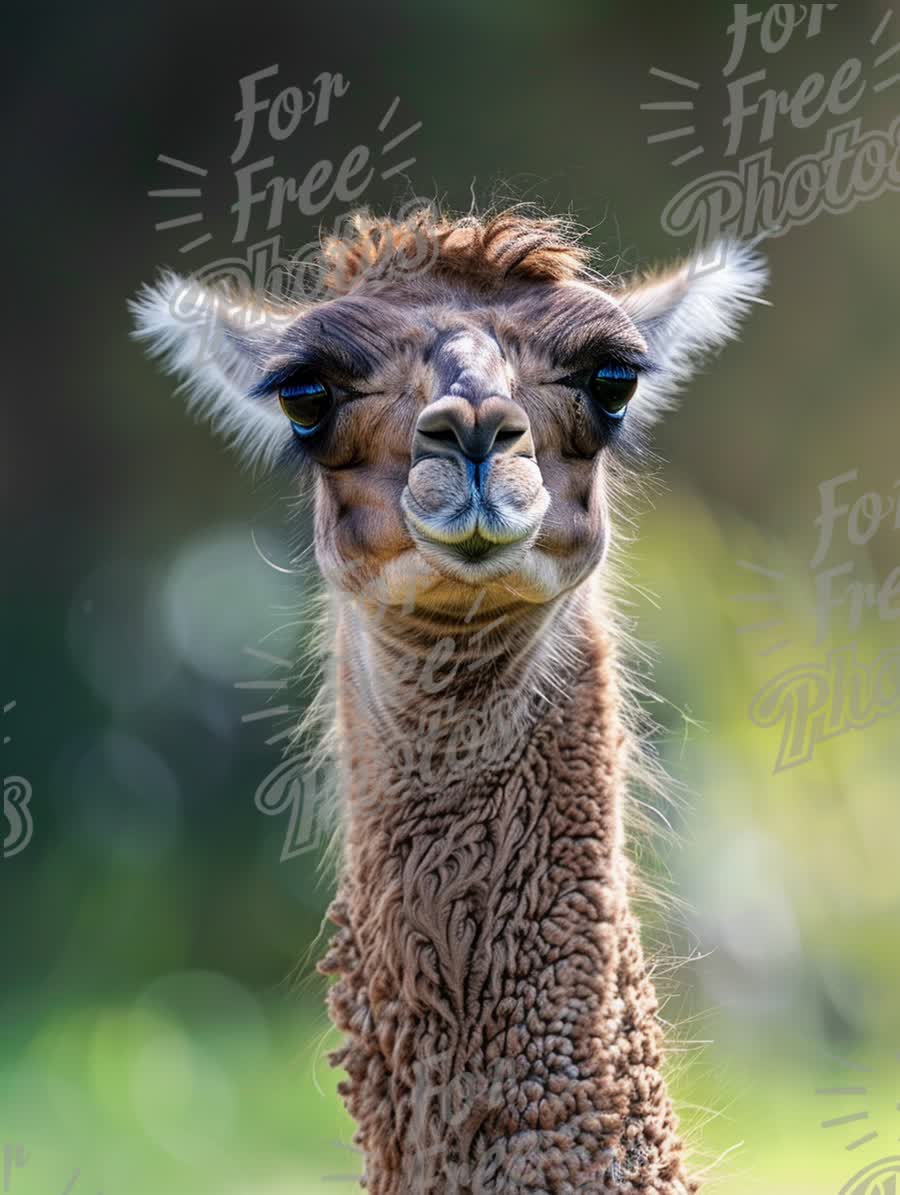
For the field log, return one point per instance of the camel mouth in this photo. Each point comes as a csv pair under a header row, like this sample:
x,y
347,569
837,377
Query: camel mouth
x,y
474,561
477,541
475,548
473,542
502,506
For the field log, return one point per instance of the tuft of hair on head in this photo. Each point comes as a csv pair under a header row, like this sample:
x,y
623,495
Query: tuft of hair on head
x,y
485,251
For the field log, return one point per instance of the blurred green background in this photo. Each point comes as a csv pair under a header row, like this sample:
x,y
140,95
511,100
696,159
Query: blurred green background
x,y
163,1027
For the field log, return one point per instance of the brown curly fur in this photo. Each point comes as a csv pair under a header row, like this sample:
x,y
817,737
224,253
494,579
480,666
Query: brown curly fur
x,y
503,1036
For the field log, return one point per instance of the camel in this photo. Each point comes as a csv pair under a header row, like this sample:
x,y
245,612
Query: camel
x,y
470,427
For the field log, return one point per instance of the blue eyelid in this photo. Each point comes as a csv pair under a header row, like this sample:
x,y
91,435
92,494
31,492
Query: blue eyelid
x,y
617,373
303,432
301,388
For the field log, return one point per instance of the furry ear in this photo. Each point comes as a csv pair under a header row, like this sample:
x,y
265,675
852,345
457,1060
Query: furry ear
x,y
217,343
690,311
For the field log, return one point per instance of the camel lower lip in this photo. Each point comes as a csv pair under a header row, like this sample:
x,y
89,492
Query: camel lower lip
x,y
475,548
474,560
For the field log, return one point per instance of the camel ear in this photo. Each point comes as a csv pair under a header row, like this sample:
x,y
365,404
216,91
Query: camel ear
x,y
689,312
217,343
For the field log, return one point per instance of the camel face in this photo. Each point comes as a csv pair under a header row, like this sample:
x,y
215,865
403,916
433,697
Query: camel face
x,y
464,396
466,451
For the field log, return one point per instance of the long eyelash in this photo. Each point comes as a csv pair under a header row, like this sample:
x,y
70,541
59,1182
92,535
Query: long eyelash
x,y
293,374
578,379
639,362
297,389
300,373
616,371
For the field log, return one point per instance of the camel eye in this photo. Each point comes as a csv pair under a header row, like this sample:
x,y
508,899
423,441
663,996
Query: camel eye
x,y
613,385
307,404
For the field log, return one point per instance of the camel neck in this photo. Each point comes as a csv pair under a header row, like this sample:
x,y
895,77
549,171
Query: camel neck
x,y
502,1030
472,680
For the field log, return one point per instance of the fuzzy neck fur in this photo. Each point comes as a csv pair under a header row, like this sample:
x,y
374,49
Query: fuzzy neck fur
x,y
502,1036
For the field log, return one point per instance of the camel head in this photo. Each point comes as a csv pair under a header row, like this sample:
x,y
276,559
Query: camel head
x,y
462,394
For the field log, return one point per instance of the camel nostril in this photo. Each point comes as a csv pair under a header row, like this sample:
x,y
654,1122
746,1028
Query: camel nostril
x,y
496,426
443,435
509,435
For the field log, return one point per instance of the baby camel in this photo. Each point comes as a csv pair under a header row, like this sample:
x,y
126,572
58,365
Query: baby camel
x,y
468,397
